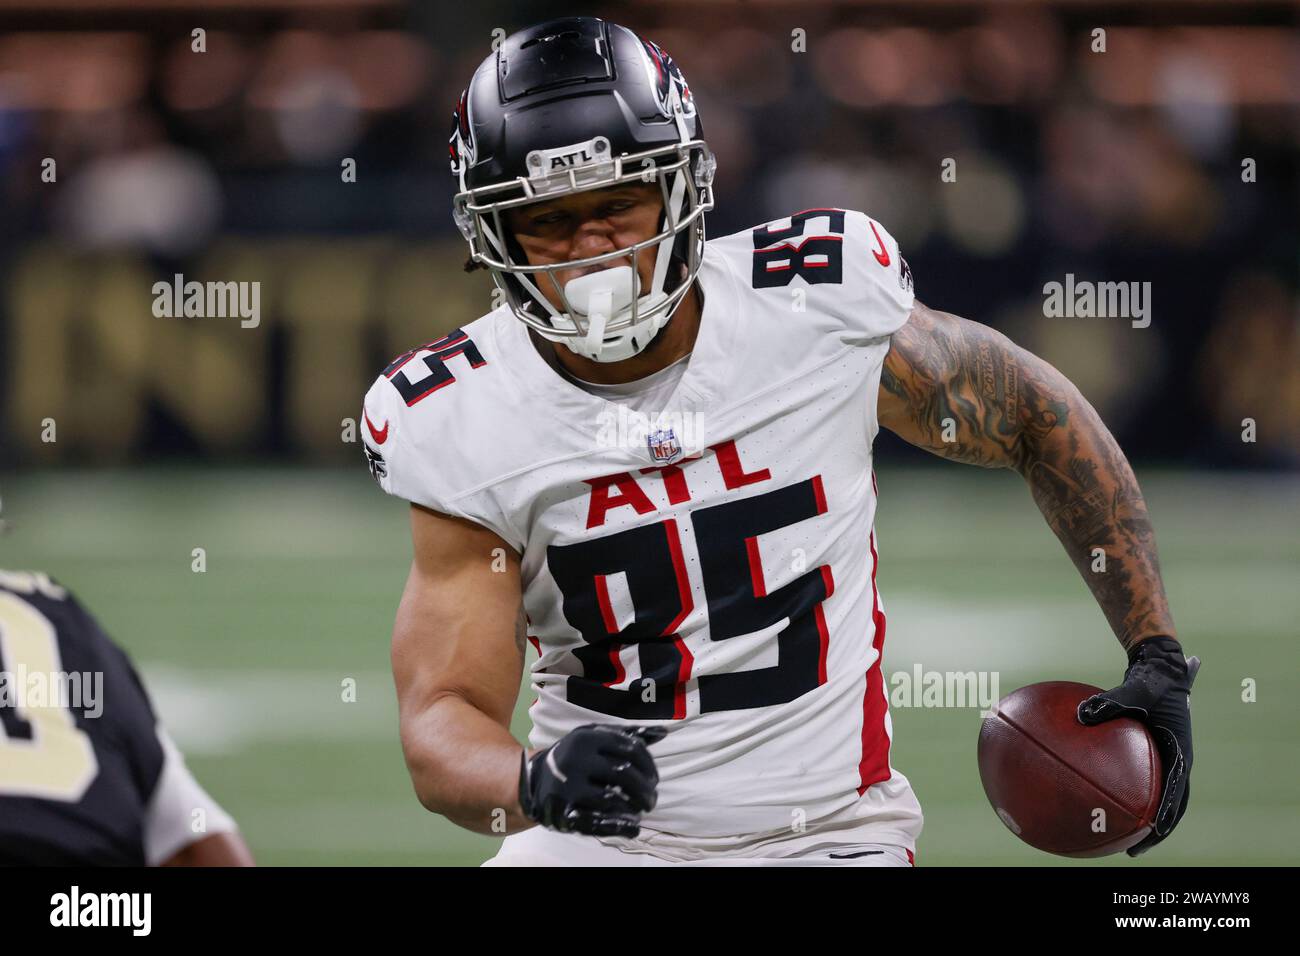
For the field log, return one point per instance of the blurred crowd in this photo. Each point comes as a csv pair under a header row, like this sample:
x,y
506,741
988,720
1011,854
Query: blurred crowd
x,y
1004,145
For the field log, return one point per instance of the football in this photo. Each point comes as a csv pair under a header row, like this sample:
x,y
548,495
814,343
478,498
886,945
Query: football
x,y
1062,787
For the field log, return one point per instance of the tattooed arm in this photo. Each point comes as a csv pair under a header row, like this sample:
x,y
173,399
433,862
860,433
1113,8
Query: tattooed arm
x,y
965,392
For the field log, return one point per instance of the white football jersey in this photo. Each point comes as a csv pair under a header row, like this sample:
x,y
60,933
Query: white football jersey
x,y
714,570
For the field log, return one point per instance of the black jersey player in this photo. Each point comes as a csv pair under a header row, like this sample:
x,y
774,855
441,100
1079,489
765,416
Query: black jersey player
x,y
87,774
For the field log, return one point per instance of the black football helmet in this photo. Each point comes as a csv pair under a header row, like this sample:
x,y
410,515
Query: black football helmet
x,y
566,106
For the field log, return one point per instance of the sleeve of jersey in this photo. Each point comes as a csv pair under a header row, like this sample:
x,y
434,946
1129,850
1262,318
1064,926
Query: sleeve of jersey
x,y
878,296
416,457
171,821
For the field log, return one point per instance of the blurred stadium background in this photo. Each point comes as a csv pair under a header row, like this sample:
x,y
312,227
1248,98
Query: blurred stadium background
x,y
174,434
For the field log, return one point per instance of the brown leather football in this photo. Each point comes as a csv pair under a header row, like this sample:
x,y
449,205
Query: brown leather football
x,y
1063,787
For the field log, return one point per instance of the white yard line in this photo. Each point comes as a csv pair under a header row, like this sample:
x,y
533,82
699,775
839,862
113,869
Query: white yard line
x,y
219,712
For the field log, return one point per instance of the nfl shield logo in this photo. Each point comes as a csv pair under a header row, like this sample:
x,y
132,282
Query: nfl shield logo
x,y
663,445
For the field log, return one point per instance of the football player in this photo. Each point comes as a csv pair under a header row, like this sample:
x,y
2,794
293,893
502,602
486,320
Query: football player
x,y
88,777
653,460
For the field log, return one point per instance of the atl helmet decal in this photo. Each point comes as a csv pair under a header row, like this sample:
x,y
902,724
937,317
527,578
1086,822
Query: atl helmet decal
x,y
664,73
461,143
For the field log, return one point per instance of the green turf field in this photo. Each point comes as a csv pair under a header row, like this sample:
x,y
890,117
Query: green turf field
x,y
304,568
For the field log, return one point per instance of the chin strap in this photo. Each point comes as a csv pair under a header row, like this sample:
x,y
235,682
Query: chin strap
x,y
598,308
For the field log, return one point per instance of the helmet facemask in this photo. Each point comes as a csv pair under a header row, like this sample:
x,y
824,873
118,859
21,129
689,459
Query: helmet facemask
x,y
607,315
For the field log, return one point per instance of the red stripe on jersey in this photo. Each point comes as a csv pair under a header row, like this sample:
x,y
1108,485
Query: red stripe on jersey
x,y
756,568
611,626
828,580
824,640
874,765
819,494
806,239
620,674
427,392
687,603
683,675
910,858
679,571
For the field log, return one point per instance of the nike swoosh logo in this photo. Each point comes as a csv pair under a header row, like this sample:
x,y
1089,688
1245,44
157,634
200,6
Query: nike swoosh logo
x,y
854,856
379,436
882,256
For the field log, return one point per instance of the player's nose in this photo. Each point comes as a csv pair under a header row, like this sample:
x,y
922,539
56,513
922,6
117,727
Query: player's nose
x,y
593,237
594,242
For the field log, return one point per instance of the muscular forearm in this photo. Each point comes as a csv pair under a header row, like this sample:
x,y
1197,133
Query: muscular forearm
x,y
1086,491
464,765
966,392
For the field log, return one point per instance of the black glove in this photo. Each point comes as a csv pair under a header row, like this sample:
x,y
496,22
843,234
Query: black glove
x,y
597,779
1157,691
